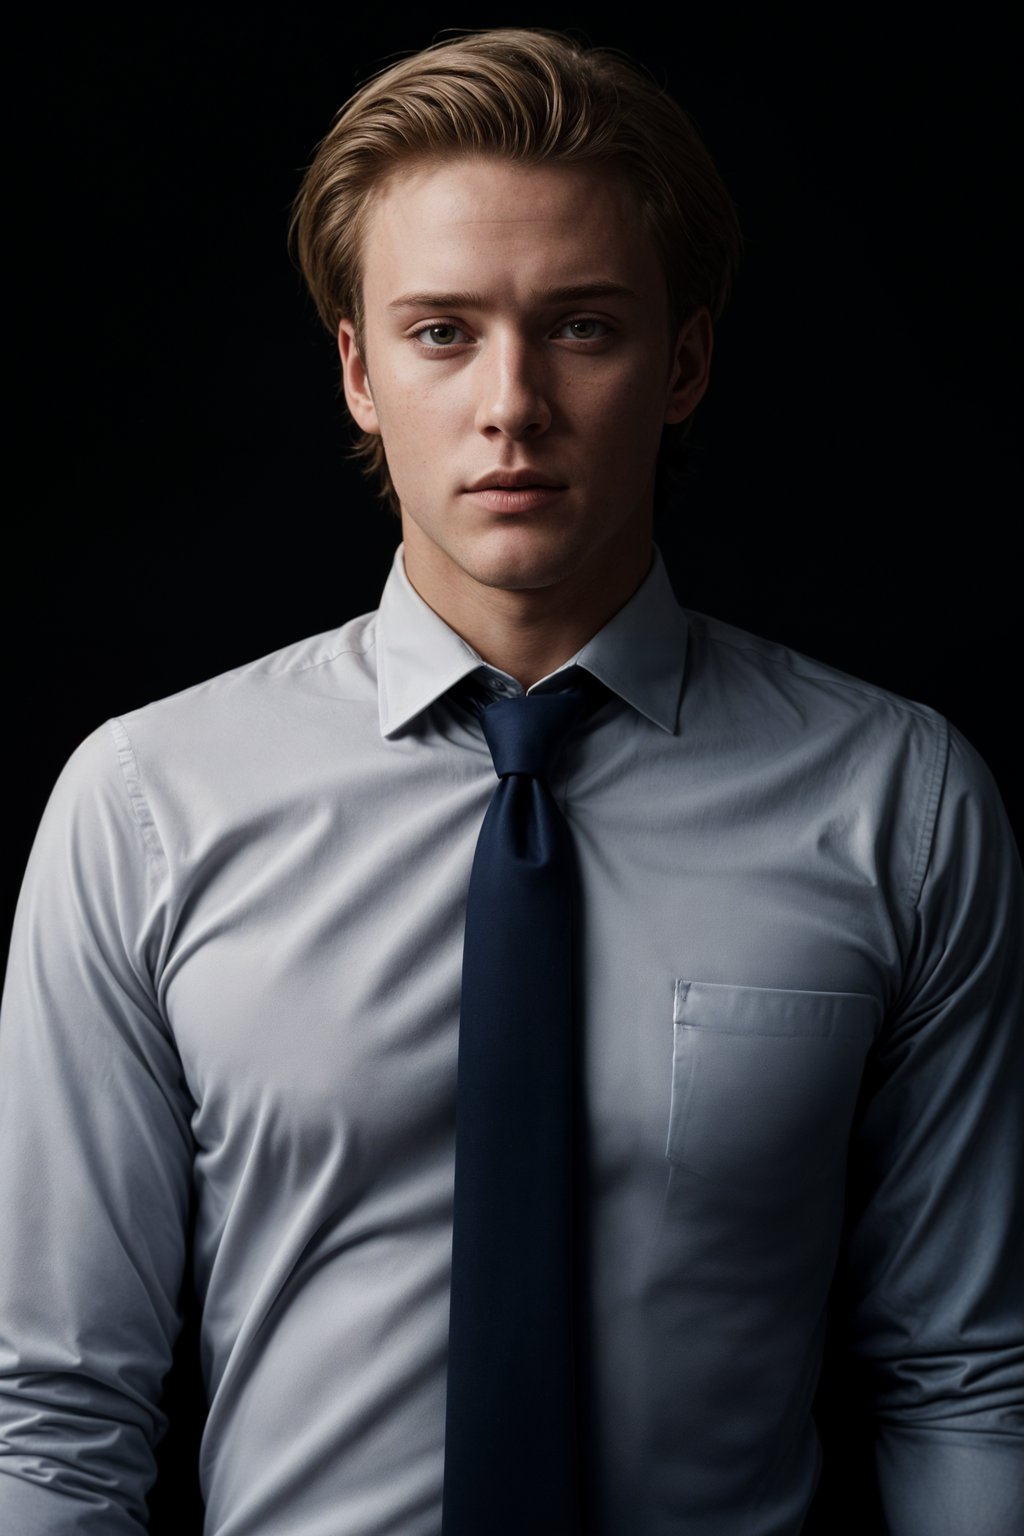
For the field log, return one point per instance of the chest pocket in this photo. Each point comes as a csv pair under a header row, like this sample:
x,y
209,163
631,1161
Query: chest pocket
x,y
765,1081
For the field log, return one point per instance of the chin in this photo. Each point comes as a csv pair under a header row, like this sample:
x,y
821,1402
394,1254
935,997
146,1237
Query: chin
x,y
521,564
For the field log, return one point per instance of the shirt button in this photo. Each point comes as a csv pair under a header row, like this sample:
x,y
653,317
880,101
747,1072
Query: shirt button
x,y
501,688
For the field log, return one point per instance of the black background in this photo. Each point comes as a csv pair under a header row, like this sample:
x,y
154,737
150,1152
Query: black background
x,y
184,504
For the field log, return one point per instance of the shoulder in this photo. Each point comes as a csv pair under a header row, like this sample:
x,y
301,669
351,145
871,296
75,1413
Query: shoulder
x,y
891,761
214,736
774,693
770,668
822,696
333,663
243,712
865,764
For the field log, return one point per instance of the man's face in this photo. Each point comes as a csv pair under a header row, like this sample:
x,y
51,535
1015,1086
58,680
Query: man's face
x,y
518,362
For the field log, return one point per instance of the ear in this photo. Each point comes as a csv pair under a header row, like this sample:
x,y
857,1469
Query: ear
x,y
691,365
356,380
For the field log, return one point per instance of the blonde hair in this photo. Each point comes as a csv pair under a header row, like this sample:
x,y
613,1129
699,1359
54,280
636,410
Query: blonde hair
x,y
530,96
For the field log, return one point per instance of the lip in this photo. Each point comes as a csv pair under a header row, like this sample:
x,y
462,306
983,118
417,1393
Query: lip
x,y
515,490
527,498
515,480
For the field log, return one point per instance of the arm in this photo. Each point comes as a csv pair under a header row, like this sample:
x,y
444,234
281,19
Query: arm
x,y
934,1248
95,1161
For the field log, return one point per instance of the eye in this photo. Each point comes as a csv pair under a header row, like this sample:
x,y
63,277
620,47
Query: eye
x,y
584,329
439,336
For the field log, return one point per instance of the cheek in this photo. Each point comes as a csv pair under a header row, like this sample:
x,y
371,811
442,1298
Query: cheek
x,y
624,420
418,399
418,431
407,415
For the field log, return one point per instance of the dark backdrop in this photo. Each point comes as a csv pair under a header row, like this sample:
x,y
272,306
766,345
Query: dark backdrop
x,y
185,504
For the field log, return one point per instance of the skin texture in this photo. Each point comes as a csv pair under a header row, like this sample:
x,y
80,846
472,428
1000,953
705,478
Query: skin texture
x,y
484,352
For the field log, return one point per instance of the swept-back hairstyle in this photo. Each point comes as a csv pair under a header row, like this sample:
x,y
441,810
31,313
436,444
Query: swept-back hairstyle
x,y
531,96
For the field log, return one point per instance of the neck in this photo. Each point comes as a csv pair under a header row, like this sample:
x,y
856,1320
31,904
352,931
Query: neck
x,y
527,632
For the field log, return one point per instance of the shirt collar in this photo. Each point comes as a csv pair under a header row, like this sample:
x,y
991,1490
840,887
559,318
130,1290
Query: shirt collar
x,y
639,654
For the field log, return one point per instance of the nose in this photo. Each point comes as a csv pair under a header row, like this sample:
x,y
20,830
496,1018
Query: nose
x,y
512,399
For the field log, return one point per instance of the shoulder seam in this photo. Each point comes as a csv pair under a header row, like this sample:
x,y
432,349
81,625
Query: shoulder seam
x,y
136,794
343,650
830,674
259,671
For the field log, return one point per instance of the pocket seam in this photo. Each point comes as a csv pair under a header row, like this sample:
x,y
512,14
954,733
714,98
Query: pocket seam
x,y
853,1029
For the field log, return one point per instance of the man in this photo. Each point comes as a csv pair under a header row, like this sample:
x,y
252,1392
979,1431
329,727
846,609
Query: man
x,y
253,955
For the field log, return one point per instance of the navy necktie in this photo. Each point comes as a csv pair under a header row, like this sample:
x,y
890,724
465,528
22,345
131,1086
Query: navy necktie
x,y
511,1458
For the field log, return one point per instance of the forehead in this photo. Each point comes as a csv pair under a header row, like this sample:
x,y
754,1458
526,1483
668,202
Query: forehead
x,y
442,225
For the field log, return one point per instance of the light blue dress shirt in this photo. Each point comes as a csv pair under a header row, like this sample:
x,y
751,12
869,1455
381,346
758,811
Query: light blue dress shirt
x,y
235,967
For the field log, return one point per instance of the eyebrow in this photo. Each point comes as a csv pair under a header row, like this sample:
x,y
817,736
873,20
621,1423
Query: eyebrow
x,y
569,294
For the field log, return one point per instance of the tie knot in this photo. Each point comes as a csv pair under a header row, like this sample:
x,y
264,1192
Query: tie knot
x,y
526,733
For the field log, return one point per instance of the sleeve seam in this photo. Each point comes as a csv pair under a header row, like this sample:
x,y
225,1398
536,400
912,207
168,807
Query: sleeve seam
x,y
136,794
925,841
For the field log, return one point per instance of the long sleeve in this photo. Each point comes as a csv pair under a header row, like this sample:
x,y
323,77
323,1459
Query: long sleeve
x,y
94,1161
934,1271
